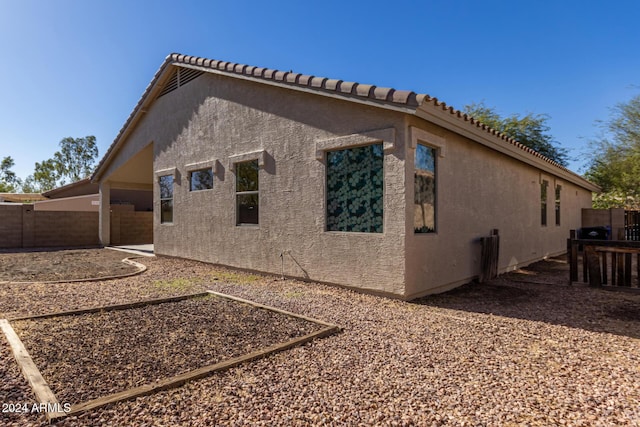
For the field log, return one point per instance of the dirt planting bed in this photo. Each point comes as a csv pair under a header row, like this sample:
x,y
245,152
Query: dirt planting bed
x,y
525,349
53,265
90,355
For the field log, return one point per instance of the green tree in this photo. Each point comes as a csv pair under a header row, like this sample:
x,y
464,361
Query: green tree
x,y
76,158
9,182
615,158
531,130
45,177
74,161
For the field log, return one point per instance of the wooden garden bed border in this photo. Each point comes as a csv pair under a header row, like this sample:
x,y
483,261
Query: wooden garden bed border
x,y
45,395
141,268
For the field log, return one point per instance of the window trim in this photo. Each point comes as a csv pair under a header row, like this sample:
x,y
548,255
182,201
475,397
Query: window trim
x,y
439,143
544,202
173,172
385,136
558,203
259,155
164,199
246,158
326,184
435,186
198,166
189,176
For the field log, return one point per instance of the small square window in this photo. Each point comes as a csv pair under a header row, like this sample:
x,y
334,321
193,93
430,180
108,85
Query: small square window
x,y
201,180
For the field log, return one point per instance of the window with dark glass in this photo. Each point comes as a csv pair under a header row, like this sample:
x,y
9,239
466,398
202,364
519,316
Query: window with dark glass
x,y
543,202
247,200
166,198
355,189
558,190
201,180
424,199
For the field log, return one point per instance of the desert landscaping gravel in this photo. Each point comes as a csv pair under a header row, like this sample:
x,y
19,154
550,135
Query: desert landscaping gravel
x,y
522,350
87,356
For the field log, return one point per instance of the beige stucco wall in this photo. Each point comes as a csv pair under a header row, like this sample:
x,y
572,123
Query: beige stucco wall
x,y
479,190
214,118
88,203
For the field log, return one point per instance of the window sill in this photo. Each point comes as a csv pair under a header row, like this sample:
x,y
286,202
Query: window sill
x,y
354,233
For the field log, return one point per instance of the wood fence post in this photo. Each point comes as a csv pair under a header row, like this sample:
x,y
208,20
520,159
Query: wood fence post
x,y
593,261
572,249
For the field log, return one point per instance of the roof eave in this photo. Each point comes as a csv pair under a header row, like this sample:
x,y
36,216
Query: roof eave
x,y
460,125
139,110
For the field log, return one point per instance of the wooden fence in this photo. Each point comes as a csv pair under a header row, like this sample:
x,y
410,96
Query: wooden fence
x,y
632,225
604,262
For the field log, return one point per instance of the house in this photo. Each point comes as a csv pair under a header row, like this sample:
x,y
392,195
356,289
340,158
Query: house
x,y
20,197
84,196
382,190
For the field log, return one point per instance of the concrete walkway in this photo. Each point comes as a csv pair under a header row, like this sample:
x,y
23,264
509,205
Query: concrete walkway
x,y
144,250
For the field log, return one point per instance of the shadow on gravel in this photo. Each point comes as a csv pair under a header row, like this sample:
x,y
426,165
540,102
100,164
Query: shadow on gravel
x,y
540,292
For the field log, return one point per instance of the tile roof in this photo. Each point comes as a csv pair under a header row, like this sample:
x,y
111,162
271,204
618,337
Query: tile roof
x,y
371,92
21,197
382,96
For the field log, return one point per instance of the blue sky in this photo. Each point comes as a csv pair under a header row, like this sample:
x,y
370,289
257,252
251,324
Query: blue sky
x,y
77,67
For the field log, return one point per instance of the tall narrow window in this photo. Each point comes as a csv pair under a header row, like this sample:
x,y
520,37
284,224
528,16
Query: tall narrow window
x,y
166,199
247,200
424,199
543,202
355,189
558,189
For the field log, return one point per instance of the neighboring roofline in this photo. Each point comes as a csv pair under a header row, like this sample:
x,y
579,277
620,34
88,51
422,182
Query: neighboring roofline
x,y
17,198
57,190
420,105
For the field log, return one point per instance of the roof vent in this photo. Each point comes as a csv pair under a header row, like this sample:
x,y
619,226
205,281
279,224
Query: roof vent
x,y
179,78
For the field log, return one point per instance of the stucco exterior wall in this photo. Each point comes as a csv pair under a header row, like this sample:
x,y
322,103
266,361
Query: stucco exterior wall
x,y
88,203
479,190
214,118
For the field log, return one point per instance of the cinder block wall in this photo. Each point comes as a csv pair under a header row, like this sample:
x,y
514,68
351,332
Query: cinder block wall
x,y
10,226
66,229
22,227
131,228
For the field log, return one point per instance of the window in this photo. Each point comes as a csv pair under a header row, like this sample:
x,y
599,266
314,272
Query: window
x,y
543,202
424,199
355,189
166,198
558,189
247,200
201,179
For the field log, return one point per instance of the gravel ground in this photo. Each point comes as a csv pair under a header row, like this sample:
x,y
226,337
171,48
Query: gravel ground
x,y
510,352
91,355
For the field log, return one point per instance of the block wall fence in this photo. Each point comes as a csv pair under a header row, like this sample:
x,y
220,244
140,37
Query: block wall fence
x,y
22,227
